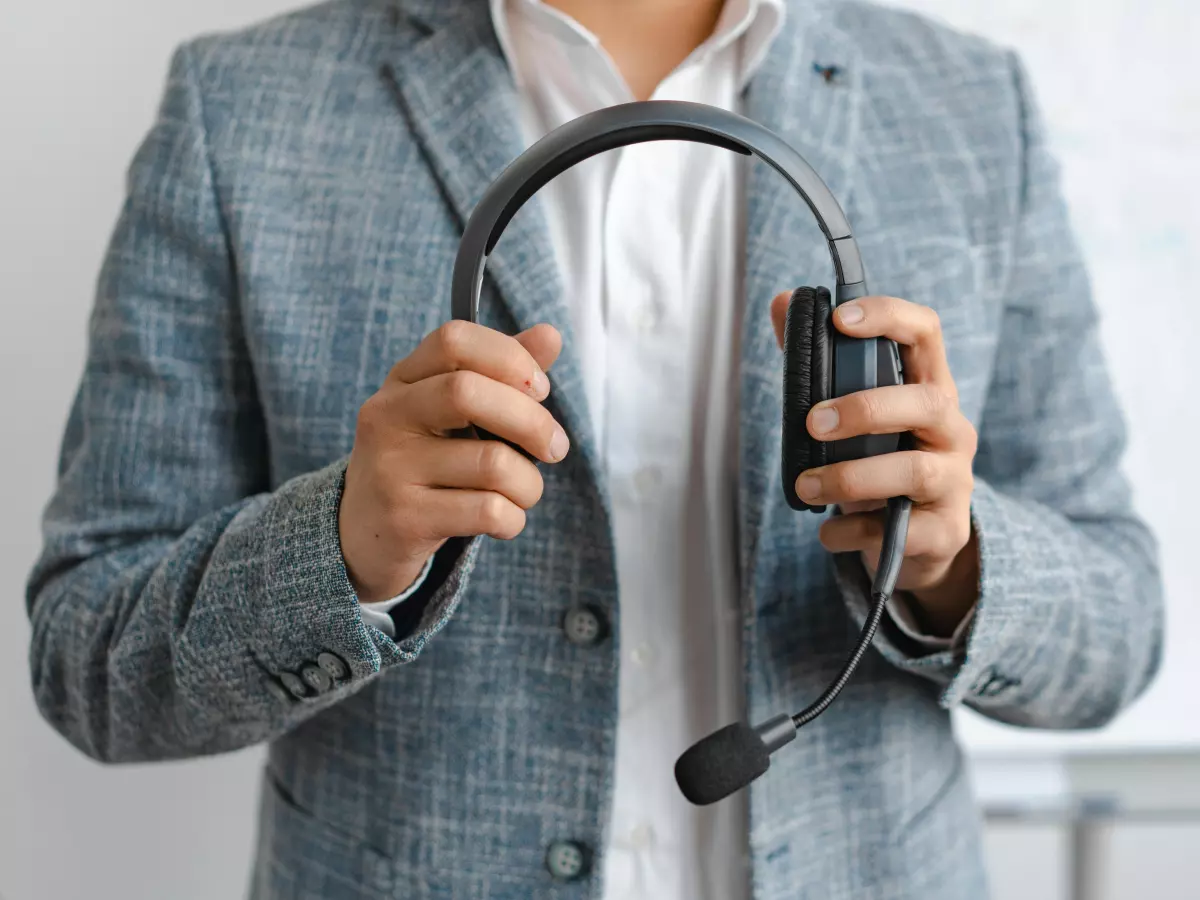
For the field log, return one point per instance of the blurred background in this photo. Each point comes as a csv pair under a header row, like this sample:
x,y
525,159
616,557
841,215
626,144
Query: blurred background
x,y
1089,816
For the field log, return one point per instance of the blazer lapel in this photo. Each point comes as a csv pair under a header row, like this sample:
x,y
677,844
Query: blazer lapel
x,y
784,246
456,89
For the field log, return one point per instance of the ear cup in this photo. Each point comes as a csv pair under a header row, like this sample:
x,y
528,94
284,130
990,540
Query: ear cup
x,y
807,380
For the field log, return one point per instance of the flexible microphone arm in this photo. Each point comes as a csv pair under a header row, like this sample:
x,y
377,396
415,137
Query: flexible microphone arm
x,y
728,760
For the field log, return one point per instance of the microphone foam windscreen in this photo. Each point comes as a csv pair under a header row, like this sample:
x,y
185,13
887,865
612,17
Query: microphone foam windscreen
x,y
724,762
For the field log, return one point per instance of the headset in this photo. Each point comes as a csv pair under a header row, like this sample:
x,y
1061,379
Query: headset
x,y
819,363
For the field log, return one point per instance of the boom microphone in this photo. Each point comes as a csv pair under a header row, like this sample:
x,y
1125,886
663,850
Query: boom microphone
x,y
728,760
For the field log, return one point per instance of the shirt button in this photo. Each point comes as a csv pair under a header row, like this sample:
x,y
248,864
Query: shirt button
x,y
567,860
646,480
642,654
642,836
584,626
316,678
293,684
333,665
646,319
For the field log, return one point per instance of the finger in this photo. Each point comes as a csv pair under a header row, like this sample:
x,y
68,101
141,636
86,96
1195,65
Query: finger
x,y
449,513
466,346
543,342
917,329
921,476
927,410
931,534
458,399
477,465
854,506
779,308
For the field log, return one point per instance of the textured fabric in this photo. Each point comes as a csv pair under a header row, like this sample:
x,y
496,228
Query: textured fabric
x,y
290,230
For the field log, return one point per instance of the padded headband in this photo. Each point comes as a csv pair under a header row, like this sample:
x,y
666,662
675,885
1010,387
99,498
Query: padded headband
x,y
636,123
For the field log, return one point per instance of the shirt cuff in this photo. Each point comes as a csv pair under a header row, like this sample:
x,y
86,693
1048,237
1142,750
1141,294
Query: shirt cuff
x,y
901,613
377,613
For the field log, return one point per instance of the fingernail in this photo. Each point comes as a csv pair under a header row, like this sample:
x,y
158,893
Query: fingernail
x,y
559,444
541,384
824,419
849,313
808,487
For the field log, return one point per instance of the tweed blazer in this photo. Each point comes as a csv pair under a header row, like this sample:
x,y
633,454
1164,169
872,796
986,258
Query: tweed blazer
x,y
289,231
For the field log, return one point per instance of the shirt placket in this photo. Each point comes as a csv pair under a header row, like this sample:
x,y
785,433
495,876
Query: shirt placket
x,y
647,445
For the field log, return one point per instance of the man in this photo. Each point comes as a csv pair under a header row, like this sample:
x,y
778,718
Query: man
x,y
475,672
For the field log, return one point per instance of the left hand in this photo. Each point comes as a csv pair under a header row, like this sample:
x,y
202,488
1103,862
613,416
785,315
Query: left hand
x,y
941,556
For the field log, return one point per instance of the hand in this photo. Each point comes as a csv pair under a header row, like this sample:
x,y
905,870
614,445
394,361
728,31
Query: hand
x,y
941,557
409,487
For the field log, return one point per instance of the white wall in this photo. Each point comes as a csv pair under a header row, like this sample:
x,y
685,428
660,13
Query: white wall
x,y
78,86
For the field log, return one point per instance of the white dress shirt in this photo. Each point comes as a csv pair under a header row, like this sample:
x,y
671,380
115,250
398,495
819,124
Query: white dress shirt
x,y
648,241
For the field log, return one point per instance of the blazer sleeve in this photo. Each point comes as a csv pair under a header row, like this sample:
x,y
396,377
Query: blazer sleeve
x,y
179,607
1068,628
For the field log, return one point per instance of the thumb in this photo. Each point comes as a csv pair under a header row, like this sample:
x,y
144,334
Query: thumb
x,y
543,342
779,306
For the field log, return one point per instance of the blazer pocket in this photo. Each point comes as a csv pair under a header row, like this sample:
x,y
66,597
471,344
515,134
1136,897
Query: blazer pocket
x,y
302,857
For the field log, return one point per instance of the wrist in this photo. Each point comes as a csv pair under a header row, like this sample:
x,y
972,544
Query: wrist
x,y
387,585
941,607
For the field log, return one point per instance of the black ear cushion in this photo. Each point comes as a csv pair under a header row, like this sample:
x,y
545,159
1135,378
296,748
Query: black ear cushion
x,y
807,380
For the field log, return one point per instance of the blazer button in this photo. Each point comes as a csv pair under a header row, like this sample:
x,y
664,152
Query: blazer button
x,y
316,678
584,625
278,691
567,860
294,684
333,665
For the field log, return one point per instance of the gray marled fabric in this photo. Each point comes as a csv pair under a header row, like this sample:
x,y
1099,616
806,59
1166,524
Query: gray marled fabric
x,y
289,233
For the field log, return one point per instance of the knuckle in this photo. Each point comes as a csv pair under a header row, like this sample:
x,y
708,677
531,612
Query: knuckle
x,y
962,490
514,524
935,401
968,483
452,340
492,462
493,512
944,541
960,533
463,388
970,443
372,415
926,472
932,321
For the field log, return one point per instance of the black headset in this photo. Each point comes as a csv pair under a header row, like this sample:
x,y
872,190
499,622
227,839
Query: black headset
x,y
819,363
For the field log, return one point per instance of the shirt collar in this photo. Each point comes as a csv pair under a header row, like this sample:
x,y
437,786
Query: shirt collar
x,y
755,22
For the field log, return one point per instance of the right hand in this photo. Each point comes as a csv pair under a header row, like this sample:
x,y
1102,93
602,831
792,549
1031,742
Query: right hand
x,y
409,486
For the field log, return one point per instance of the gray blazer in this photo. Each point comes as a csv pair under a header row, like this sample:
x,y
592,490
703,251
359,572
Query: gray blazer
x,y
289,232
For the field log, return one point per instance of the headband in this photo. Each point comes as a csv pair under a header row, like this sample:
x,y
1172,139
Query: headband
x,y
636,123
